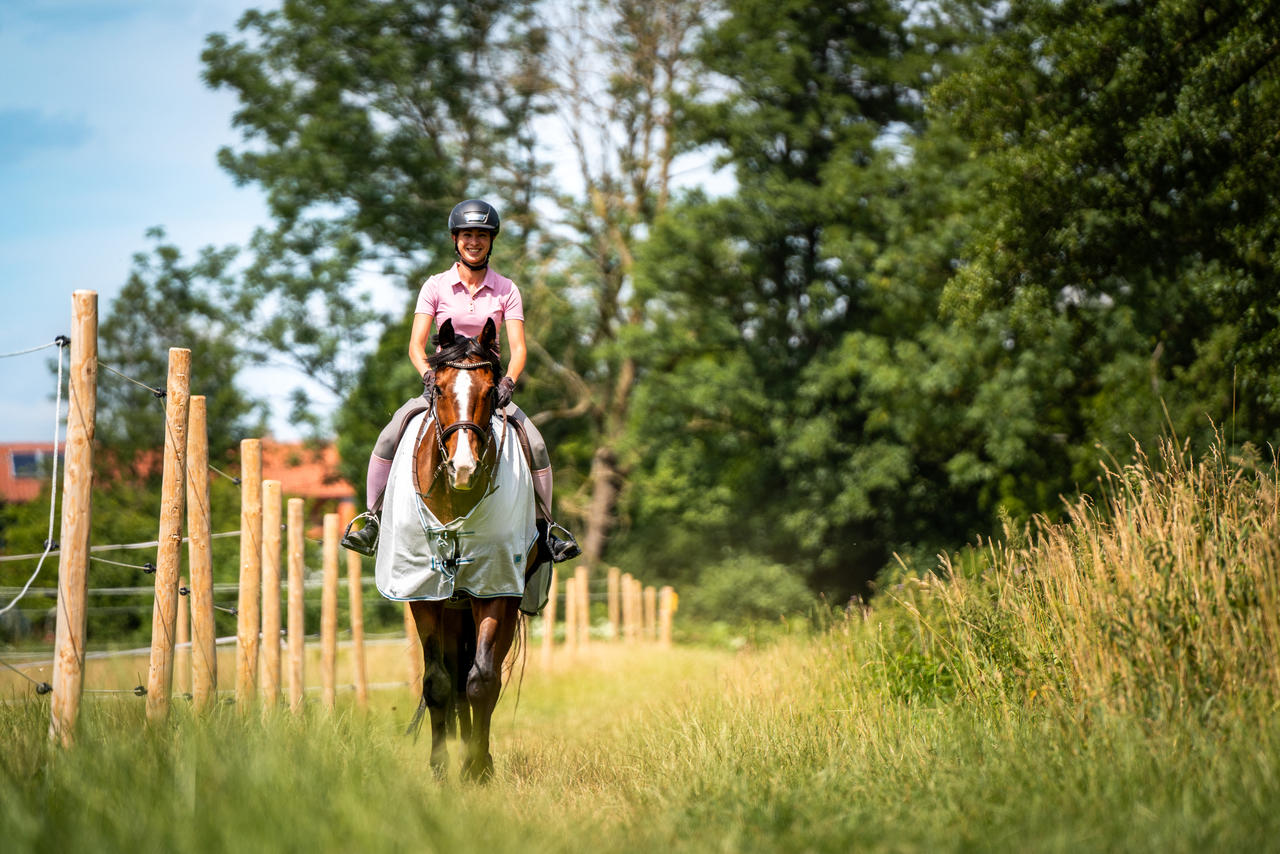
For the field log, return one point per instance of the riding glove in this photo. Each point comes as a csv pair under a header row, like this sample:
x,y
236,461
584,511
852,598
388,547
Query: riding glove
x,y
428,383
506,387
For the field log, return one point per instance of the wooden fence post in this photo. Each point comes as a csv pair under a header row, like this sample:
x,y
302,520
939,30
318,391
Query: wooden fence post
x,y
583,577
271,508
650,613
628,611
297,605
182,651
329,616
204,652
615,613
666,611
173,494
571,613
549,622
77,487
249,618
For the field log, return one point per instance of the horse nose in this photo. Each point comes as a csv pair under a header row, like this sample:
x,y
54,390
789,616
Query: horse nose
x,y
461,473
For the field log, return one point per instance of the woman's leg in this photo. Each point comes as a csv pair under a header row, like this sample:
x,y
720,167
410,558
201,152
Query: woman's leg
x,y
366,539
541,461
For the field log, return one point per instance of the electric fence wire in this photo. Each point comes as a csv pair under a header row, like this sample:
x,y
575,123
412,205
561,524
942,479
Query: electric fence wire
x,y
61,343
57,342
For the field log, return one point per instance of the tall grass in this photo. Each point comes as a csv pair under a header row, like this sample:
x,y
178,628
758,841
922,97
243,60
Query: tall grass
x,y
1103,683
1159,600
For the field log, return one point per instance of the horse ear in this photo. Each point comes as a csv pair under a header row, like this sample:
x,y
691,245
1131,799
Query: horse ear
x,y
446,335
489,335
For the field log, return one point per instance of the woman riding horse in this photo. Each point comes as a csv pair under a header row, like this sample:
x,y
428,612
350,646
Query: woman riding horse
x,y
468,294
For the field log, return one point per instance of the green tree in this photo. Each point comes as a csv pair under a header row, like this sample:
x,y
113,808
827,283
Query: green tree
x,y
365,122
754,433
1132,237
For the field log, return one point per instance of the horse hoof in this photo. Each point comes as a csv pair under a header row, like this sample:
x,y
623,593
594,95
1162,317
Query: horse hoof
x,y
478,770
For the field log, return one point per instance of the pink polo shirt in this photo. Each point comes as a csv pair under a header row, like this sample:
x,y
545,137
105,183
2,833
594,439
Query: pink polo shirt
x,y
445,297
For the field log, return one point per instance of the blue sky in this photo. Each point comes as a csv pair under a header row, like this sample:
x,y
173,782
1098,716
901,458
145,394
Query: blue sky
x,y
105,130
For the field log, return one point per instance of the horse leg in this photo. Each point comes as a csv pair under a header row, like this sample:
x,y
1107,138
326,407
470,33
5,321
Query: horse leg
x,y
495,628
451,638
462,668
436,687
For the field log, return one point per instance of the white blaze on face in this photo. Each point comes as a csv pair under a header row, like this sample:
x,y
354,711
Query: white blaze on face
x,y
464,462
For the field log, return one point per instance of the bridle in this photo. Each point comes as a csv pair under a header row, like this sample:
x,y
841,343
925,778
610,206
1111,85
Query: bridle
x,y
442,434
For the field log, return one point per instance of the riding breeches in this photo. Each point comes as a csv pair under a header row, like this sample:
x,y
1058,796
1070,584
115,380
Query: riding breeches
x,y
385,448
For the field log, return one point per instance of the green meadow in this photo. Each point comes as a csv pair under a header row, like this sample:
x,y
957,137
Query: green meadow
x,y
1107,682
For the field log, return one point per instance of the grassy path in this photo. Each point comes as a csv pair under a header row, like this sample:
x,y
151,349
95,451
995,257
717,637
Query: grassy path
x,y
790,749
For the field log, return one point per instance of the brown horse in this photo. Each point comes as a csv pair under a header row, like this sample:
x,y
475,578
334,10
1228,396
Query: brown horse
x,y
465,640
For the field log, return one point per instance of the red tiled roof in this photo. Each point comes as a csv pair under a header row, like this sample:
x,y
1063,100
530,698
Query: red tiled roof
x,y
14,486
304,471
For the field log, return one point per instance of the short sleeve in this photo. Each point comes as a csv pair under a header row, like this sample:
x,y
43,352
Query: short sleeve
x,y
428,298
512,304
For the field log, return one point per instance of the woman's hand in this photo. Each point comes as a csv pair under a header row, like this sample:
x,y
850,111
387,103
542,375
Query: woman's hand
x,y
506,387
428,383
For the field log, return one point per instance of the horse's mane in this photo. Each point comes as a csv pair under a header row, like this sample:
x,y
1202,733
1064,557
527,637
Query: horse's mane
x,y
462,349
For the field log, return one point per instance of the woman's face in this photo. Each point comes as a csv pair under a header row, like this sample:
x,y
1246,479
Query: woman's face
x,y
473,244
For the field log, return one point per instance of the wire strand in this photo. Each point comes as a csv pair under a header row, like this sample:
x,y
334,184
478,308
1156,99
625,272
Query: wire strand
x,y
57,342
156,391
53,489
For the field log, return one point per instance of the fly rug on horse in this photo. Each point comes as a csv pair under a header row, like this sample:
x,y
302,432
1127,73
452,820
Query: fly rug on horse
x,y
458,538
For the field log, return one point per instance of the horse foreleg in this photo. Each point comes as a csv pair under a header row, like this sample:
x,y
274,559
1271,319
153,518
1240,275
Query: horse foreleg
x,y
459,653
495,628
436,683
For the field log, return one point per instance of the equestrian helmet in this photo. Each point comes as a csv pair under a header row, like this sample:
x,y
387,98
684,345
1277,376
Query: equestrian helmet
x,y
474,213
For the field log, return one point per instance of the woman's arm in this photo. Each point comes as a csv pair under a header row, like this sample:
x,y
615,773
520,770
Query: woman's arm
x,y
420,337
515,339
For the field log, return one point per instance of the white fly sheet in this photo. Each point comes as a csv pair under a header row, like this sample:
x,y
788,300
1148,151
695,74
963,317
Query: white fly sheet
x,y
482,554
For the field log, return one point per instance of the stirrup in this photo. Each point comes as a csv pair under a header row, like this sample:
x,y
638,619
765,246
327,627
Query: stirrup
x,y
561,548
364,541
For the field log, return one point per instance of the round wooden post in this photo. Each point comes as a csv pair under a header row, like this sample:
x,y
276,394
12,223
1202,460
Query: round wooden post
x,y
173,493
637,609
666,611
77,487
615,613
204,652
549,622
182,652
413,650
356,602
628,615
650,613
249,619
329,615
571,613
271,507
297,604
583,577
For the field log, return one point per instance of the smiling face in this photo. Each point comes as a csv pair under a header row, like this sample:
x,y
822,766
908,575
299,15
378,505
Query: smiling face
x,y
473,244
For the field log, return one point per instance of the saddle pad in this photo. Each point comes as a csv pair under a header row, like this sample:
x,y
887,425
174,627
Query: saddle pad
x,y
482,554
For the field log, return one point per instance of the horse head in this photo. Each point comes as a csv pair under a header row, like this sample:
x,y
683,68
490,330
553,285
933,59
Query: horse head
x,y
467,373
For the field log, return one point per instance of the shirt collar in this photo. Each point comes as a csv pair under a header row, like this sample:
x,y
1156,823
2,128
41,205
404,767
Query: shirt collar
x,y
486,282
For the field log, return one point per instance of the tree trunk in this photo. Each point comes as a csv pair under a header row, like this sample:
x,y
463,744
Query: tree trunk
x,y
604,497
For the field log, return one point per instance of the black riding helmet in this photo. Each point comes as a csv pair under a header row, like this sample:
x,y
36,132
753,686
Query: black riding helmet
x,y
474,213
